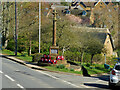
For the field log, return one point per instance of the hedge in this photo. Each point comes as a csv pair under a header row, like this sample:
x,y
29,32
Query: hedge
x,y
36,57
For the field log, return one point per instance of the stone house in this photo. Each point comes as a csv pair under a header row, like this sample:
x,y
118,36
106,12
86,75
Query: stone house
x,y
104,36
87,8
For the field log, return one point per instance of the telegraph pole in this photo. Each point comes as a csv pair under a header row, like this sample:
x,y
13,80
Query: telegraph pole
x,y
15,28
0,25
39,23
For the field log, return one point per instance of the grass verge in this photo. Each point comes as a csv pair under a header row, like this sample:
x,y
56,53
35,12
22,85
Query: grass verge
x,y
94,69
19,55
98,69
63,70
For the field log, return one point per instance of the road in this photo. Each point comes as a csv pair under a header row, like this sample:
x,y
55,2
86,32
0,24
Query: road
x,y
15,75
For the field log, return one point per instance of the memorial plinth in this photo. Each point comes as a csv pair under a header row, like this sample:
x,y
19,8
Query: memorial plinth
x,y
54,50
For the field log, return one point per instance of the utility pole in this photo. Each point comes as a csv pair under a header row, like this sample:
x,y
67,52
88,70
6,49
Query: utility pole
x,y
0,25
15,28
39,23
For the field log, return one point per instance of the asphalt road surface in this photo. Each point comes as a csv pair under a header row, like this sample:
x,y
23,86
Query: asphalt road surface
x,y
15,75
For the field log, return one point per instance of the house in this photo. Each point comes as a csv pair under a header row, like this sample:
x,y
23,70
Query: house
x,y
87,8
101,34
100,4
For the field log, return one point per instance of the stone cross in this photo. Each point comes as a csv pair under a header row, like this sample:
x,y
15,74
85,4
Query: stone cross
x,y
54,27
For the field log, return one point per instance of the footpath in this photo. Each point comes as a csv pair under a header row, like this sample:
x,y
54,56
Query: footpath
x,y
35,66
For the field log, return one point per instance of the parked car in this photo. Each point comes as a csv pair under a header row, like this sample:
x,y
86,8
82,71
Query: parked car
x,y
115,76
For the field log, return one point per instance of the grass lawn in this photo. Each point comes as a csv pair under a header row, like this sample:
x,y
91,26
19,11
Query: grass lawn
x,y
19,55
25,58
53,68
7,52
94,69
97,69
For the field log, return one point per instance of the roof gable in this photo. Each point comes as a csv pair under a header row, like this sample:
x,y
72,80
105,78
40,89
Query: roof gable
x,y
98,33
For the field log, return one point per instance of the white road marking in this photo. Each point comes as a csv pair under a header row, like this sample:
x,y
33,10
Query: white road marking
x,y
9,78
20,86
59,79
70,83
1,72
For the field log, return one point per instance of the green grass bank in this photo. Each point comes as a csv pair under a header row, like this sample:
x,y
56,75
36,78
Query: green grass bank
x,y
92,69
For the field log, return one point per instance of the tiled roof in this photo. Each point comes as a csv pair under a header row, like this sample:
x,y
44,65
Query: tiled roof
x,y
89,4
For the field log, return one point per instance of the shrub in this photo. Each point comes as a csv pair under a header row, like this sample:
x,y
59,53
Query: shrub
x,y
98,58
11,45
86,57
53,57
92,67
57,66
24,53
88,64
36,57
61,66
34,49
71,69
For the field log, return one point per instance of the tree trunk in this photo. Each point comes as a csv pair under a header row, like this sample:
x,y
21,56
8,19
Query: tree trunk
x,y
82,53
29,52
6,43
92,58
63,51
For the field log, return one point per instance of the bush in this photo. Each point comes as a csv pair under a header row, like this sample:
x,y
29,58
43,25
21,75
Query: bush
x,y
71,69
86,58
53,57
11,45
98,58
92,67
36,57
61,66
88,65
24,54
